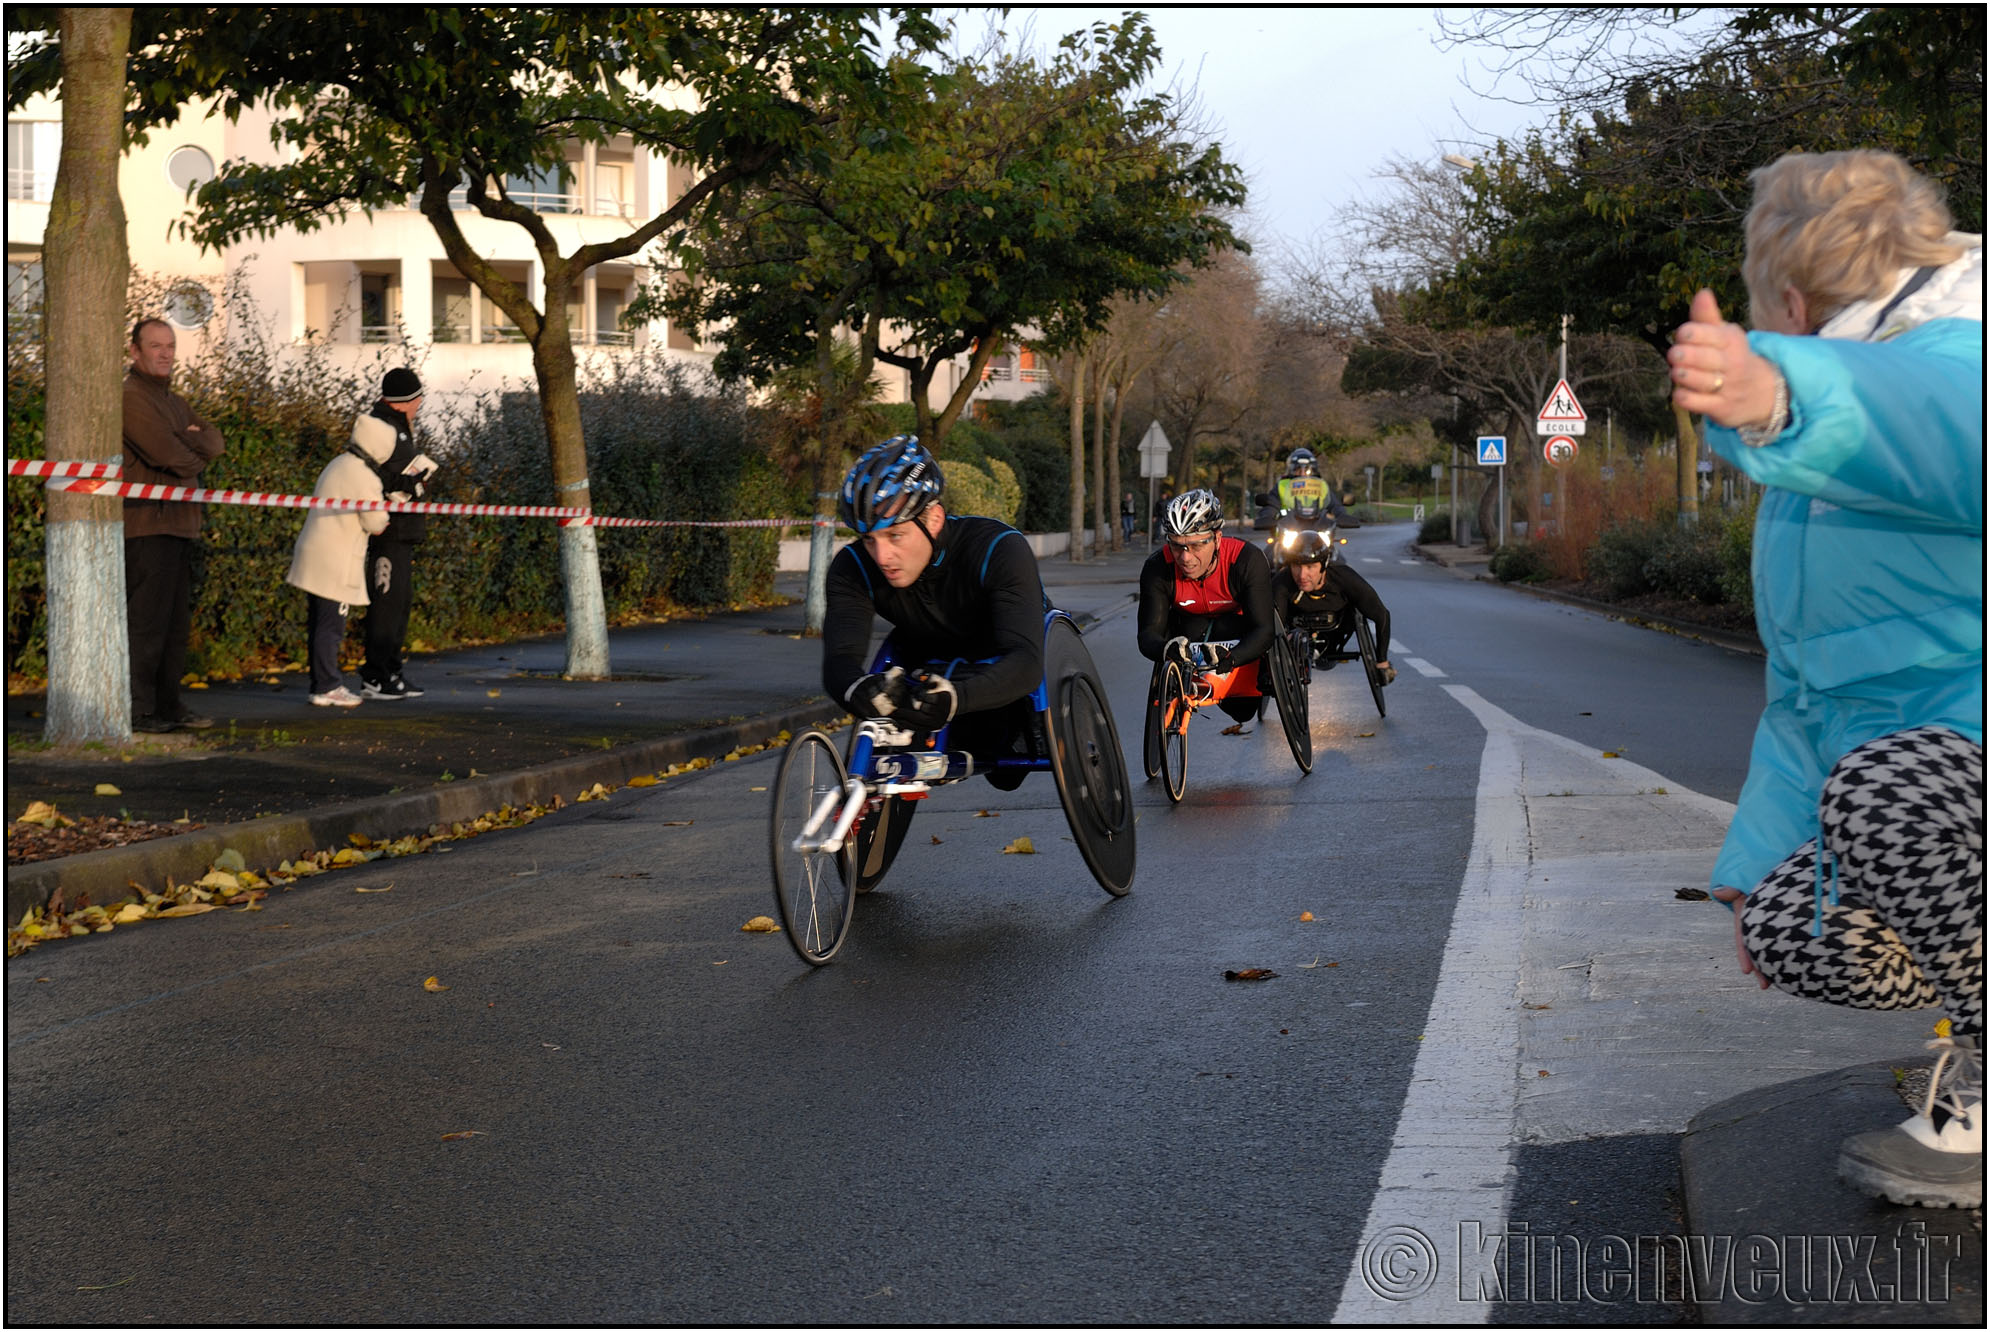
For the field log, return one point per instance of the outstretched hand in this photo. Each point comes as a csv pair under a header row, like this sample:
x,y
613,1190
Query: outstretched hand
x,y
1714,374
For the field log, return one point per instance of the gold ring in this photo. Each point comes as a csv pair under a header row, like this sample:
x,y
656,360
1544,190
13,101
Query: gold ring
x,y
1718,381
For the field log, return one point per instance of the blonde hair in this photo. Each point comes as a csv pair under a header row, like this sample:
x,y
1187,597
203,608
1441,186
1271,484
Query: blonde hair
x,y
1839,227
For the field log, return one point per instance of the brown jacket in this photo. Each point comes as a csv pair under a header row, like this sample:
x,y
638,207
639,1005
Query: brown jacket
x,y
165,444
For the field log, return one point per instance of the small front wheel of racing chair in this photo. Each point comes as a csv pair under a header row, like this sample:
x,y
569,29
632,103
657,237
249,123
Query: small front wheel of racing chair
x,y
1168,717
814,886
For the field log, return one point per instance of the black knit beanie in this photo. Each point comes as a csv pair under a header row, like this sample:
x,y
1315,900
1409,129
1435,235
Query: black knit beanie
x,y
401,385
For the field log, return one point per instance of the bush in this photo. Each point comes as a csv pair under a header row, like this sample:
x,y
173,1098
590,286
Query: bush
x,y
1519,562
1737,547
1436,526
1686,563
1620,557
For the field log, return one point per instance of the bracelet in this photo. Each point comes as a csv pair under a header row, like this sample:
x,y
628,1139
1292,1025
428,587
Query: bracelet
x,y
1779,418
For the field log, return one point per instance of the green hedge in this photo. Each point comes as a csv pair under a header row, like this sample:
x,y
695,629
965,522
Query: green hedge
x,y
659,446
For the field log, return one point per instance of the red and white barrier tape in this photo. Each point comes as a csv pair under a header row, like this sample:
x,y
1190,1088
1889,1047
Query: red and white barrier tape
x,y
82,478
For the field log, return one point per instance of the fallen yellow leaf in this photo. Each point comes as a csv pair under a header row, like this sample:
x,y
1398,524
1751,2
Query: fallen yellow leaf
x,y
432,985
42,812
465,1133
220,881
388,889
1305,915
191,909
129,913
105,788
1020,847
1608,753
231,861
594,792
760,925
492,693
645,780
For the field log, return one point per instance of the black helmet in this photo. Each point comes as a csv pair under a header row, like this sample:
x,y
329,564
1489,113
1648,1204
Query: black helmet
x,y
892,483
1302,546
1300,462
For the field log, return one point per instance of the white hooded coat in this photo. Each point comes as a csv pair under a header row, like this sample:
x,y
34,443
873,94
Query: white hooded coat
x,y
330,559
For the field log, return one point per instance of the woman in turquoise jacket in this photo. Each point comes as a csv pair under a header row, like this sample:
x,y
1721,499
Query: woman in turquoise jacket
x,y
1855,860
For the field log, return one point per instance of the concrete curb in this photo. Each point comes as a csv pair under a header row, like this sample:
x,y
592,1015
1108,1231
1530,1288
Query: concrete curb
x,y
107,876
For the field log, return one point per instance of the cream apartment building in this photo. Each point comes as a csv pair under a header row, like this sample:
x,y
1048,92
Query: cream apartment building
x,y
359,286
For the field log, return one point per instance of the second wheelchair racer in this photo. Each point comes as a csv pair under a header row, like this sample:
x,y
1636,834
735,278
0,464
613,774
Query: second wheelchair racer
x,y
1314,585
955,590
1202,586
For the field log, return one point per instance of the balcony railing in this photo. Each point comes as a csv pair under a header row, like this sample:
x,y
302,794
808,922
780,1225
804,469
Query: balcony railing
x,y
380,333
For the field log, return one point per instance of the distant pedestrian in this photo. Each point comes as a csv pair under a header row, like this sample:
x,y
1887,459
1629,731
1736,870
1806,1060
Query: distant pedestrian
x,y
329,563
1126,516
1854,862
390,554
165,443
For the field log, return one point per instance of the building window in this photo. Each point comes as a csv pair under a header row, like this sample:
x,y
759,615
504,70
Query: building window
x,y
611,192
546,189
34,148
379,307
609,302
451,296
189,168
189,305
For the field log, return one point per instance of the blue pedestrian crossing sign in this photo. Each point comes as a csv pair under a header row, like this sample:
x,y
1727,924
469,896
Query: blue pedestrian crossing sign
x,y
1492,450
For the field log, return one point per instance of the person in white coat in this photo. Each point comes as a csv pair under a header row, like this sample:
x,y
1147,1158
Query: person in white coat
x,y
329,564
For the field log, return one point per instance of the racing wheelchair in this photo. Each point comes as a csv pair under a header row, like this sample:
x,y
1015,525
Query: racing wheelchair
x,y
1175,694
840,819
1323,638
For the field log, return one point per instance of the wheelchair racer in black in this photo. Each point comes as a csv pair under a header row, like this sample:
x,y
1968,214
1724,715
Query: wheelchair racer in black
x,y
1319,593
1203,587
963,592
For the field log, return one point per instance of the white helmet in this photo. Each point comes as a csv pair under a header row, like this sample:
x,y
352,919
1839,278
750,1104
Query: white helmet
x,y
1192,512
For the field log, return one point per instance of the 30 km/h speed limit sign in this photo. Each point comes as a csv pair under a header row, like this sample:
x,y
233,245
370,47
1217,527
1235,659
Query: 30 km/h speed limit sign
x,y
1559,451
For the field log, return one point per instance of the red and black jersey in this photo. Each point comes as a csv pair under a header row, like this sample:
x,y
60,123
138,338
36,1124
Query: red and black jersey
x,y
1232,600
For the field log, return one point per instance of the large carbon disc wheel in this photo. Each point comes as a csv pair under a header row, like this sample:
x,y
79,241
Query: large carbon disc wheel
x,y
1175,713
1086,759
812,889
1292,709
1367,638
1150,726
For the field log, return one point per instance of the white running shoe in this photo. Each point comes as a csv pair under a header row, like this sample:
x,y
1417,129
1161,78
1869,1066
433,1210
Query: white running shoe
x,y
1934,1159
340,697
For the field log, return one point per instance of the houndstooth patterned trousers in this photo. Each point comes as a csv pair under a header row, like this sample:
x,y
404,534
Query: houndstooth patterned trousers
x,y
1902,825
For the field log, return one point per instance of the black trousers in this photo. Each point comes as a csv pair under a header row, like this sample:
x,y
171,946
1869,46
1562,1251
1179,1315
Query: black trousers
x,y
390,587
327,632
158,592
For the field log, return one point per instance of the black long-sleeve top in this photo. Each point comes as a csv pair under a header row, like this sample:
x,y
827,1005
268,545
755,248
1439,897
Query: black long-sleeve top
x,y
979,596
1232,600
1343,588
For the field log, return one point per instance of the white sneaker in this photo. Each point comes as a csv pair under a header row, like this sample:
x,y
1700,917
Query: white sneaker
x,y
340,697
1934,1159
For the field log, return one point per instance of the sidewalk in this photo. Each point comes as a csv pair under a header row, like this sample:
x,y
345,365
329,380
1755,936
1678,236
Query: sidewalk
x,y
497,726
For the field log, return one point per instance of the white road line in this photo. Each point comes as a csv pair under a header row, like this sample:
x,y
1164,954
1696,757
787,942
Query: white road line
x,y
1398,644
1409,561
1424,668
1371,559
1450,1164
1430,1251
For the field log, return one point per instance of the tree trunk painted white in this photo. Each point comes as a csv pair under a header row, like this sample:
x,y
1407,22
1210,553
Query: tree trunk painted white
x,y
821,543
86,263
89,654
587,609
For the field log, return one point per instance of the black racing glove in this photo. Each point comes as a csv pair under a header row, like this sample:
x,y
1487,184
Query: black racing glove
x,y
879,695
1219,661
932,702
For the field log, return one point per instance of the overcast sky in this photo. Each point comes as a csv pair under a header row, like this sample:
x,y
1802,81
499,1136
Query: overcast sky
x,y
1311,102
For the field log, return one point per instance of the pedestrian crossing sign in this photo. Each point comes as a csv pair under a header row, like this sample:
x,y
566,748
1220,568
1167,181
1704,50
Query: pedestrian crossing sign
x,y
1492,450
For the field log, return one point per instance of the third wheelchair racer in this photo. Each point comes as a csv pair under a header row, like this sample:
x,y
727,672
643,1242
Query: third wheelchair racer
x,y
1204,587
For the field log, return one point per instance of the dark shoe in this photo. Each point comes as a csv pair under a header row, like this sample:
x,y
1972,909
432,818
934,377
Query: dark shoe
x,y
1005,779
394,688
154,725
193,721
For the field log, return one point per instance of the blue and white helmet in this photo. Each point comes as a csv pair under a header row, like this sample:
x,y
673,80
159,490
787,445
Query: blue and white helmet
x,y
892,483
